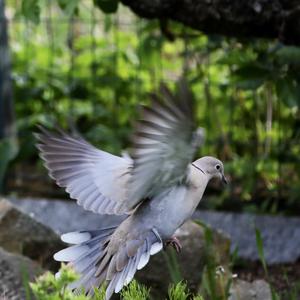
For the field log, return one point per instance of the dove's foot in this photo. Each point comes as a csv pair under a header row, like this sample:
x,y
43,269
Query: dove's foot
x,y
174,242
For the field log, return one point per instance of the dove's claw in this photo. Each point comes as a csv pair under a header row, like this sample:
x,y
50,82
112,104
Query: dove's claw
x,y
174,242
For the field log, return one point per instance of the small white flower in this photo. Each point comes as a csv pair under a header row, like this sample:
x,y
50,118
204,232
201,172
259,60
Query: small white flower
x,y
220,270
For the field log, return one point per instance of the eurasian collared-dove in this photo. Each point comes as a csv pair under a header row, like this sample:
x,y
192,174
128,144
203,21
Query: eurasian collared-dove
x,y
159,188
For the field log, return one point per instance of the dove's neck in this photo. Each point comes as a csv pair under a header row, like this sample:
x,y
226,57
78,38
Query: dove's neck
x,y
170,209
197,182
198,178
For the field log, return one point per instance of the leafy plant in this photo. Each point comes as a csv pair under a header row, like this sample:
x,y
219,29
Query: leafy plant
x,y
216,281
135,291
173,266
47,287
180,291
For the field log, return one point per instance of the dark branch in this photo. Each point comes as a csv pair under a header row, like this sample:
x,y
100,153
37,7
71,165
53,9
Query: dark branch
x,y
277,19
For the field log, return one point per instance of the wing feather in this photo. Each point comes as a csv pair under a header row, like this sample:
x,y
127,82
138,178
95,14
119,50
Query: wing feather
x,y
96,179
164,144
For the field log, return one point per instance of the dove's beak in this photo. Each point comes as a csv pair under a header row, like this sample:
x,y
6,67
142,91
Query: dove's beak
x,y
224,180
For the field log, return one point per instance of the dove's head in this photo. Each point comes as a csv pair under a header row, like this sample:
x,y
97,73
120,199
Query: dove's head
x,y
210,166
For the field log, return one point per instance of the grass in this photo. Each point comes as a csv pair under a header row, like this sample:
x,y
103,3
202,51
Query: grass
x,y
135,291
180,291
261,254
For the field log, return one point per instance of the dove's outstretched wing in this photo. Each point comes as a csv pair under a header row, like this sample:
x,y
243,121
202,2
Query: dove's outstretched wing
x,y
96,179
164,144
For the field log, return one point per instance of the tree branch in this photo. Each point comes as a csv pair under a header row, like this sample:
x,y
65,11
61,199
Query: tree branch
x,y
277,19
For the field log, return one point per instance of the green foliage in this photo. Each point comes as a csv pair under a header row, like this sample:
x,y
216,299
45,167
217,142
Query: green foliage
x,y
85,69
47,287
26,283
173,266
198,298
260,249
180,291
31,10
135,291
293,293
107,6
216,281
69,6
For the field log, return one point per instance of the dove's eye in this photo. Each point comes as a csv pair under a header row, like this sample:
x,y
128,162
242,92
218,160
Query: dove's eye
x,y
218,167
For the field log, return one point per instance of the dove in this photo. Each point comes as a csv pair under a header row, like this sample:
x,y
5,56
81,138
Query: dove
x,y
157,187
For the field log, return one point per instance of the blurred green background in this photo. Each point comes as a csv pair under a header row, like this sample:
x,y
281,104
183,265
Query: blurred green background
x,y
76,65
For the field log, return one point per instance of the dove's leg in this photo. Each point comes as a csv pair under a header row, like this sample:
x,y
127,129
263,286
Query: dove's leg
x,y
174,242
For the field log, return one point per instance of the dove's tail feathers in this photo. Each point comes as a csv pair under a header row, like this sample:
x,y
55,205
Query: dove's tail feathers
x,y
131,256
92,257
87,248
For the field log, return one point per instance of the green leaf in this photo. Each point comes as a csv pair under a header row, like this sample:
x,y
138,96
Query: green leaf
x,y
260,249
107,6
178,291
289,55
31,10
288,91
135,291
149,49
70,7
250,76
173,265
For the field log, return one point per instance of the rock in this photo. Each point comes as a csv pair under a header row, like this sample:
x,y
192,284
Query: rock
x,y
21,234
190,261
14,269
256,290
281,235
63,215
239,227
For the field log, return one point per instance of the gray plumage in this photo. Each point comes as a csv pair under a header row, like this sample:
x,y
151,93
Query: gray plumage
x,y
158,187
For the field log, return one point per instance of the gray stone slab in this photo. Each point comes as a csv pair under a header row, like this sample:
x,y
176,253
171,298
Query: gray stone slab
x,y
13,268
63,216
21,234
281,235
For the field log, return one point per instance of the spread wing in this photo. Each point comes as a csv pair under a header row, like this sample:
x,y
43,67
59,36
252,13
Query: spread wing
x,y
164,144
96,179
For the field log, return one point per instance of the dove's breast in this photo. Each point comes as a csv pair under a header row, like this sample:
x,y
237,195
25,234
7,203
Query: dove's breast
x,y
171,208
